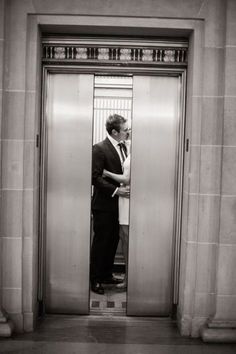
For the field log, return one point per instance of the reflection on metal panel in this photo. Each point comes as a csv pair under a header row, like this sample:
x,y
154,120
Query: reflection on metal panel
x,y
152,205
69,144
113,94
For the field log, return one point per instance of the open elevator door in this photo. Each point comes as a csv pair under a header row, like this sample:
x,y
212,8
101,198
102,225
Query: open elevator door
x,y
68,145
68,130
155,157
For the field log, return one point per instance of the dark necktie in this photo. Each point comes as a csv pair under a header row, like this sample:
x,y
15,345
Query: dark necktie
x,y
123,151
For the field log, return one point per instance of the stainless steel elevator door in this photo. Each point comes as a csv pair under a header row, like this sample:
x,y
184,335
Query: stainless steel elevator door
x,y
69,112
153,192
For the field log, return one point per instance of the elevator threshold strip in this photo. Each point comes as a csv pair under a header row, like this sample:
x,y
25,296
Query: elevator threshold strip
x,y
107,307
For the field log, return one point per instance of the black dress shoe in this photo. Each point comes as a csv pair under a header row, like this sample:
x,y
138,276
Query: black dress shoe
x,y
112,280
97,288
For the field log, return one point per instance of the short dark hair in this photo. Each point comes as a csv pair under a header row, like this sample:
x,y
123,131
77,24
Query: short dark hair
x,y
114,121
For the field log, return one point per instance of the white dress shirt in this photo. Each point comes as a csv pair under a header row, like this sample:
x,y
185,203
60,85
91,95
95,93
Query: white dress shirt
x,y
115,144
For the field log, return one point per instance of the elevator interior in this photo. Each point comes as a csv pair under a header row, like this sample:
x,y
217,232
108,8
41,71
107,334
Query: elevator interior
x,y
75,107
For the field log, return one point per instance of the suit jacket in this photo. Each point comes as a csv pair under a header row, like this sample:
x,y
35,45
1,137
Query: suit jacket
x,y
105,156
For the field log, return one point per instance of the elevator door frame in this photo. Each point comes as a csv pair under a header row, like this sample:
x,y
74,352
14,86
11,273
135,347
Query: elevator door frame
x,y
114,70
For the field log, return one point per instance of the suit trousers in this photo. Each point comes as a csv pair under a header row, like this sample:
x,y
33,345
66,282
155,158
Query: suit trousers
x,y
104,245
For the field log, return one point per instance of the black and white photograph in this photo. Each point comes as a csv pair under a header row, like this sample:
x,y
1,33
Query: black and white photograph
x,y
118,176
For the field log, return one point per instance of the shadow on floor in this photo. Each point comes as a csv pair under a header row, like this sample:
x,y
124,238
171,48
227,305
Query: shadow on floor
x,y
108,334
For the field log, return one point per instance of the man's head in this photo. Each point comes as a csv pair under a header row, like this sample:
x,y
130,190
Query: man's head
x,y
117,127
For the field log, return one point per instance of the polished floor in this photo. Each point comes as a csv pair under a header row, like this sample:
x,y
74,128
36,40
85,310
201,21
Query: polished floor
x,y
108,334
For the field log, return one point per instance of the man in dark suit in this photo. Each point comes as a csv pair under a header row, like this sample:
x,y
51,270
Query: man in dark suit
x,y
108,155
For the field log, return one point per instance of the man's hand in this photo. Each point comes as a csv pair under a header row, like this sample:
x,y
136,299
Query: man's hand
x,y
123,192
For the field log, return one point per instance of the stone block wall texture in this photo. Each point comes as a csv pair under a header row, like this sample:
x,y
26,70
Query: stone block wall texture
x,y
208,248
1,109
226,284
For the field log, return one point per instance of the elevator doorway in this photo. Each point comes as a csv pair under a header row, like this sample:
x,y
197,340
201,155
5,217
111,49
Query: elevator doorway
x,y
70,127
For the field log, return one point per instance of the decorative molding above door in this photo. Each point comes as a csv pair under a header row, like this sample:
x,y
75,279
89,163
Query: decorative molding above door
x,y
116,52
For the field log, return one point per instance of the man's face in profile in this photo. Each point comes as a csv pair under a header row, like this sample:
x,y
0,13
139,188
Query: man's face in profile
x,y
124,132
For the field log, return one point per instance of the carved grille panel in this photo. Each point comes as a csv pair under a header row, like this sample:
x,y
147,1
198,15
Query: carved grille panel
x,y
114,54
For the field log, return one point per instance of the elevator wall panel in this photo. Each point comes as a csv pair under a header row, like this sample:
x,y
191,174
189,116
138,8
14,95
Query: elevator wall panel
x,y
68,192
153,192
